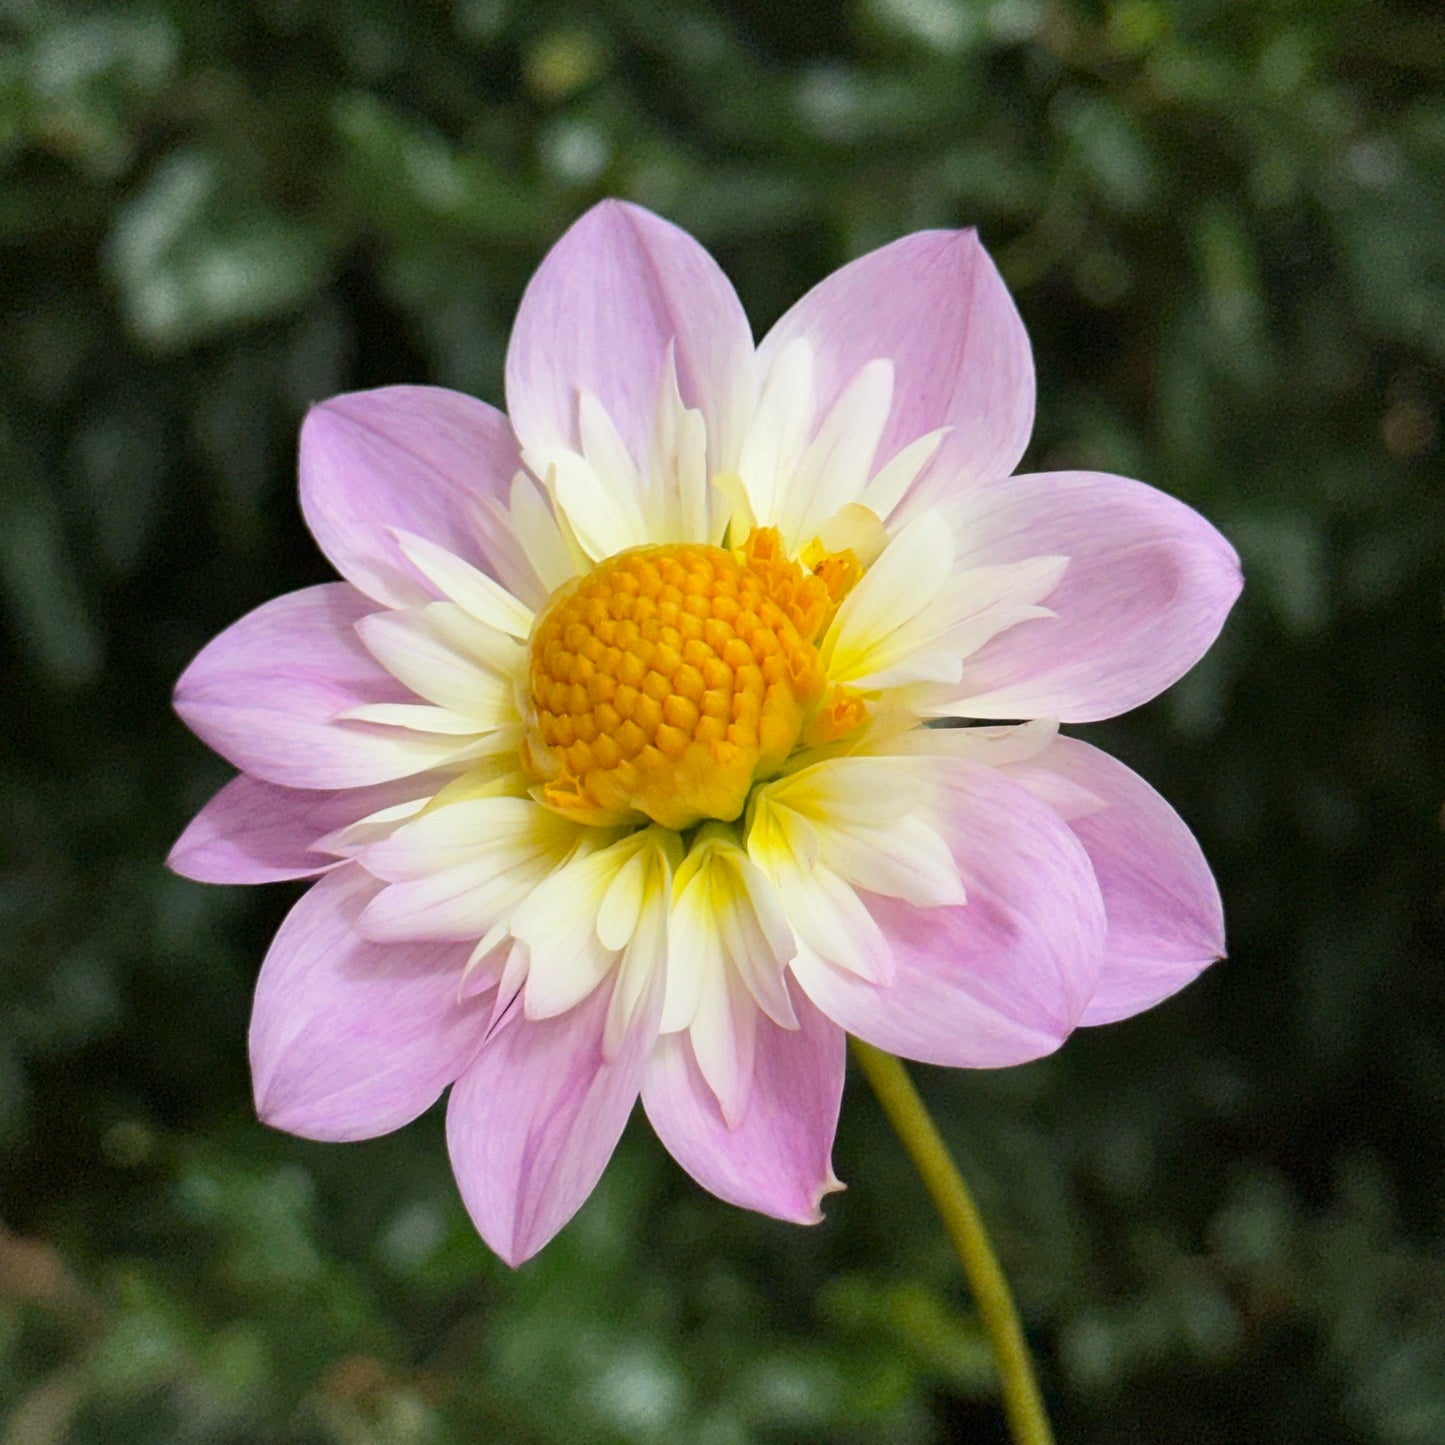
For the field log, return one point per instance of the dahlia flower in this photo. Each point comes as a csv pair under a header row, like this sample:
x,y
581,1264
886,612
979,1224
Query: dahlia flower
x,y
616,755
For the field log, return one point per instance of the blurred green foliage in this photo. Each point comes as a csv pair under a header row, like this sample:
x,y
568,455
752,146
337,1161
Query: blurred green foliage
x,y
1225,226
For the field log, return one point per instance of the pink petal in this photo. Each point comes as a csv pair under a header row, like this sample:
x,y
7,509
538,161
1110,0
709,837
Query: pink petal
x,y
1002,978
599,315
255,832
1166,923
351,1039
263,694
934,304
778,1160
418,458
1147,589
534,1120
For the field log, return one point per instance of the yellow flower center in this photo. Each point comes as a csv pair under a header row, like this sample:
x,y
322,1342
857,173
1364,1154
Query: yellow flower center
x,y
666,681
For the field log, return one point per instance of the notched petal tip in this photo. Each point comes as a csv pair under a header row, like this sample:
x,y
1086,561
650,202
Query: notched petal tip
x,y
831,1185
778,1158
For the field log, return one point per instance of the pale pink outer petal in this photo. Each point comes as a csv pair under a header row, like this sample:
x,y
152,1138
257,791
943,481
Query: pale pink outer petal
x,y
778,1160
1002,978
418,458
933,304
1148,586
534,1120
263,694
256,832
1166,921
599,314
351,1039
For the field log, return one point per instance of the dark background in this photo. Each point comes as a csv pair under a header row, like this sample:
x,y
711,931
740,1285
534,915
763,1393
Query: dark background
x,y
1225,227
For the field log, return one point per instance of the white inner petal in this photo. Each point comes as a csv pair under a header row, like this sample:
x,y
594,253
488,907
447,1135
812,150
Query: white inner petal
x,y
472,590
728,948
725,909
851,823
459,870
887,616
886,490
604,512
723,1036
779,430
679,501
419,717
346,842
822,907
449,658
603,910
549,551
834,469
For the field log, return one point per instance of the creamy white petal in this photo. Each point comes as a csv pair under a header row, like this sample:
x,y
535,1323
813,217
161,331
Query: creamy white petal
x,y
456,903
997,746
679,499
834,469
934,645
872,629
724,1036
471,589
419,717
823,910
849,791
907,859
545,546
465,900
761,945
448,658
459,870
729,944
778,430
894,478
695,943
829,915
491,831
726,914
980,602
559,922
856,529
621,905
604,520
641,972
416,752
356,837
846,823
605,450
599,489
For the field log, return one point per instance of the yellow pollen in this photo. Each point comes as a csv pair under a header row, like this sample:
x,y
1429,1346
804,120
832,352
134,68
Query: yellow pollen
x,y
668,679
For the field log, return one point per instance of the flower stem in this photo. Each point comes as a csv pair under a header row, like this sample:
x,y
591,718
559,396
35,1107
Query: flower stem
x,y
1024,1407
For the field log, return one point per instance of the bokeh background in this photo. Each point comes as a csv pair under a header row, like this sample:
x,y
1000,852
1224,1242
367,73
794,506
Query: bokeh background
x,y
1225,226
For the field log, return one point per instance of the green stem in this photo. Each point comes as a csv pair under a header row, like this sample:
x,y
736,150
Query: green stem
x,y
1028,1422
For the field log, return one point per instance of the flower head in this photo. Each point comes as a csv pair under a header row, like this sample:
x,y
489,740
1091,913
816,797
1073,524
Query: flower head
x,y
613,751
